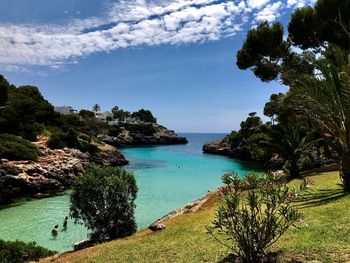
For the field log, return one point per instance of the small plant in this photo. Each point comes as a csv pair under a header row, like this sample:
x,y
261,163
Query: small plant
x,y
254,214
18,251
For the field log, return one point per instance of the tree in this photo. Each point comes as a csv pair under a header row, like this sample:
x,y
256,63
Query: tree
x,y
263,50
290,142
86,114
96,108
255,213
247,142
25,112
103,199
325,98
119,113
313,29
4,85
144,115
327,23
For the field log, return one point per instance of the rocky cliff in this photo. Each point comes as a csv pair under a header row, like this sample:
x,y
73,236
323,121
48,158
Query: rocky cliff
x,y
222,147
54,170
161,136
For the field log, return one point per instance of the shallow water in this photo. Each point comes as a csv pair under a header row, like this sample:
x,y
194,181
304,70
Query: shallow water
x,y
167,177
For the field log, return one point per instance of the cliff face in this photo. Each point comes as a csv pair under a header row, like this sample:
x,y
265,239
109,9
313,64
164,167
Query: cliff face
x,y
162,136
54,170
222,147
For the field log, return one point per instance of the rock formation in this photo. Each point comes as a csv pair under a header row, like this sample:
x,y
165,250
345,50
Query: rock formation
x,y
54,170
162,136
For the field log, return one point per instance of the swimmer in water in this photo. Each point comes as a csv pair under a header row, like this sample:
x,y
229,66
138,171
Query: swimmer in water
x,y
65,222
54,231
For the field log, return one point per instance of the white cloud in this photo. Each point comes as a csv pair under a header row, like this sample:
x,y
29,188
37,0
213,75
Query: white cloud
x,y
299,3
257,3
130,23
269,13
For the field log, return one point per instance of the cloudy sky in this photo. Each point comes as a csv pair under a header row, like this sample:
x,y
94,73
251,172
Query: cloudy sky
x,y
174,57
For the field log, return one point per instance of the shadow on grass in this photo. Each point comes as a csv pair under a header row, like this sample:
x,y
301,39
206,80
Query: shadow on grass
x,y
272,257
320,197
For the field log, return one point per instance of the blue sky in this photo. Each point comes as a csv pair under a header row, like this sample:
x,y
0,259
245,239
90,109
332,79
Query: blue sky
x,y
174,57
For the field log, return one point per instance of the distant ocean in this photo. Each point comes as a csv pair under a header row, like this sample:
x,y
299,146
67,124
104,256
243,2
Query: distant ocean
x,y
168,177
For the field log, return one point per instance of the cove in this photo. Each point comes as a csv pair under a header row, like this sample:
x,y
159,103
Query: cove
x,y
168,177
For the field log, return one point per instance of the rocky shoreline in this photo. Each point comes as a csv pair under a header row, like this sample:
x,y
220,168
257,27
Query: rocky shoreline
x,y
162,136
221,147
54,171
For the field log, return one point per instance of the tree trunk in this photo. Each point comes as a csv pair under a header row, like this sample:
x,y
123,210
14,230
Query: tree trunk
x,y
345,170
294,169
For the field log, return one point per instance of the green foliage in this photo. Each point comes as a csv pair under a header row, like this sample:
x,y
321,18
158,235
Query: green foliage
x,y
59,139
25,108
313,29
325,98
15,148
328,21
96,107
114,131
146,129
248,141
291,142
84,137
144,116
85,146
120,113
104,200
85,114
4,86
262,50
249,222
18,252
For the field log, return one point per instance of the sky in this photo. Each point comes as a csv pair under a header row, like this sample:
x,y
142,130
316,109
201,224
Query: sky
x,y
173,57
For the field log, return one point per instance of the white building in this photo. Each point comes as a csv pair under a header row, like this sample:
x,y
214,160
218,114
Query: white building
x,y
65,110
102,116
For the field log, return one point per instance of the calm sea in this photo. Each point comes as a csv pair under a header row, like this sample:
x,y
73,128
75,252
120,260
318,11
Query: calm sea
x,y
167,177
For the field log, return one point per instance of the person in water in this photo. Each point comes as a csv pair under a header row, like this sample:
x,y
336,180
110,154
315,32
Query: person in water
x,y
54,231
65,222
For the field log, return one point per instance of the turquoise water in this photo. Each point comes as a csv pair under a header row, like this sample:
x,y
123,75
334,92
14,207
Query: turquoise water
x,y
167,176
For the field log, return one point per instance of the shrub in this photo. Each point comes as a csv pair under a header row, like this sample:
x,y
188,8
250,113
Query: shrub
x,y
114,131
84,146
146,129
17,251
71,138
249,222
17,148
83,136
57,140
103,199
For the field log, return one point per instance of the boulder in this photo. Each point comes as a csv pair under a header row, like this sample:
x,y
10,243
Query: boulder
x,y
83,244
157,227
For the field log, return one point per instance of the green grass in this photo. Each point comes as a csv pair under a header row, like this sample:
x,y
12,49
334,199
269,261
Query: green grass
x,y
325,235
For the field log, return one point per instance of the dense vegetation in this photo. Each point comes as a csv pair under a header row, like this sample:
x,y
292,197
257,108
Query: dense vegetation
x,y
24,112
142,115
103,199
313,117
18,252
16,148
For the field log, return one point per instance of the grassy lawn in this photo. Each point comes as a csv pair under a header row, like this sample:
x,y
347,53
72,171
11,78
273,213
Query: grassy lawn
x,y
325,235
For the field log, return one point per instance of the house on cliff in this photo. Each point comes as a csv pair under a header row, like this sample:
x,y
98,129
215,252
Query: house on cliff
x,y
65,110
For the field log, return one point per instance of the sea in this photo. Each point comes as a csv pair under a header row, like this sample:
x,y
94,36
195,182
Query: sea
x,y
167,177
